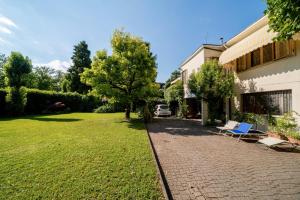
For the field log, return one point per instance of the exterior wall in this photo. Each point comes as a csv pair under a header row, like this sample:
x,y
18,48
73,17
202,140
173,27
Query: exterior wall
x,y
282,74
194,65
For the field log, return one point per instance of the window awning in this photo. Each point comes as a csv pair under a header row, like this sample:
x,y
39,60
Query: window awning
x,y
248,44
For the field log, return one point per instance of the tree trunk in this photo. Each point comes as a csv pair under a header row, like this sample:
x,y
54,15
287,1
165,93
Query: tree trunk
x,y
127,112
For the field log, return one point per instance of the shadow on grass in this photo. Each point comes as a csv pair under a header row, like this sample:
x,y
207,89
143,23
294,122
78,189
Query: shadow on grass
x,y
137,124
46,119
42,118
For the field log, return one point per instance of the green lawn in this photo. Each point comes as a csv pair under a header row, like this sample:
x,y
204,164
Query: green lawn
x,y
76,156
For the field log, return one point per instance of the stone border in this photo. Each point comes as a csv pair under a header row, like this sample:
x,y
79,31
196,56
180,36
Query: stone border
x,y
162,178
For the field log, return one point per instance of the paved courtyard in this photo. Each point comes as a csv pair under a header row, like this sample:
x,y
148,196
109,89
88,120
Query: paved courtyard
x,y
200,165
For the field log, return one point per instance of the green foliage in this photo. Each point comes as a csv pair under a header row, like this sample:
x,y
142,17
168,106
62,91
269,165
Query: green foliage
x,y
174,93
45,78
16,100
252,118
174,75
81,60
183,109
284,17
39,100
2,75
286,126
3,94
16,68
106,108
127,75
212,84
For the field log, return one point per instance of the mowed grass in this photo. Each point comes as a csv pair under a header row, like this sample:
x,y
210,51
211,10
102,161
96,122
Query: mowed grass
x,y
76,156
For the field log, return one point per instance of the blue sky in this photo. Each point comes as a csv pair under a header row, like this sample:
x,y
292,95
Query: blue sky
x,y
47,30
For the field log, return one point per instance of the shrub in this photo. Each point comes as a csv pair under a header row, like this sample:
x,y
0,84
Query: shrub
x,y
2,101
106,108
16,100
286,126
39,101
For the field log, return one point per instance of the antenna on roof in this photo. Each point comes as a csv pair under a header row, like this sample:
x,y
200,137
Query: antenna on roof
x,y
222,40
206,35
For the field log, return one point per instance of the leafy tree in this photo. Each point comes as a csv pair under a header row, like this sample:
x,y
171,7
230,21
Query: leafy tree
x,y
81,59
174,97
174,92
2,75
16,68
45,78
212,84
284,17
127,74
174,75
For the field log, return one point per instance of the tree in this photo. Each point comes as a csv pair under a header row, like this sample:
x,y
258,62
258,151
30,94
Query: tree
x,y
174,75
212,84
127,74
16,68
284,17
2,75
174,96
81,59
45,78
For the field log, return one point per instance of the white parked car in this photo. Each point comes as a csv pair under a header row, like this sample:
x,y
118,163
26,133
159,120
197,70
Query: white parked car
x,y
162,110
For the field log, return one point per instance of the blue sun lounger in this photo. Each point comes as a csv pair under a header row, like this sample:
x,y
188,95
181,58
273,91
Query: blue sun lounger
x,y
242,130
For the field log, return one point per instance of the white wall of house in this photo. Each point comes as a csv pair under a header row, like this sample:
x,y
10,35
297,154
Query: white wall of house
x,y
282,74
193,64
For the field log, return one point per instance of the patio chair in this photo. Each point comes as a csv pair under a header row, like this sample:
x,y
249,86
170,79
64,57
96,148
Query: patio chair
x,y
273,142
242,130
228,126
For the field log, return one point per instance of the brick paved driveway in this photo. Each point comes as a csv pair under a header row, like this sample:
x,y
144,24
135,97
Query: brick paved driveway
x,y
199,165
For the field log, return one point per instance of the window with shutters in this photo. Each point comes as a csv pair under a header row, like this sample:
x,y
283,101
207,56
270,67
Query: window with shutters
x,y
282,49
273,102
268,53
255,57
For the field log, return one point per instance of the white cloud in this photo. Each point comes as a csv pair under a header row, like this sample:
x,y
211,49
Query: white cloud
x,y
56,64
7,22
5,30
4,42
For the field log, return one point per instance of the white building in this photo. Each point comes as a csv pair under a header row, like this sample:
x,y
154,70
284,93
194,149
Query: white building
x,y
267,73
193,64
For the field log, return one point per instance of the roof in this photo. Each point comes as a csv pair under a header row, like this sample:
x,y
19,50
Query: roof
x,y
215,47
247,31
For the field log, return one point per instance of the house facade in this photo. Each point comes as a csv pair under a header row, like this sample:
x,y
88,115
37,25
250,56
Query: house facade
x,y
193,64
267,73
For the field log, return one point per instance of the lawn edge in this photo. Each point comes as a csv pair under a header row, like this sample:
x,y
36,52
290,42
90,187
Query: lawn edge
x,y
162,178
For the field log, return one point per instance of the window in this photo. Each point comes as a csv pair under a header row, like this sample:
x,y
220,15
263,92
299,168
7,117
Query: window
x,y
241,65
268,53
255,57
248,60
275,102
184,77
282,49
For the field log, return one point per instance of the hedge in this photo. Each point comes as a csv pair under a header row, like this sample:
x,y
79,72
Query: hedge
x,y
38,101
2,101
